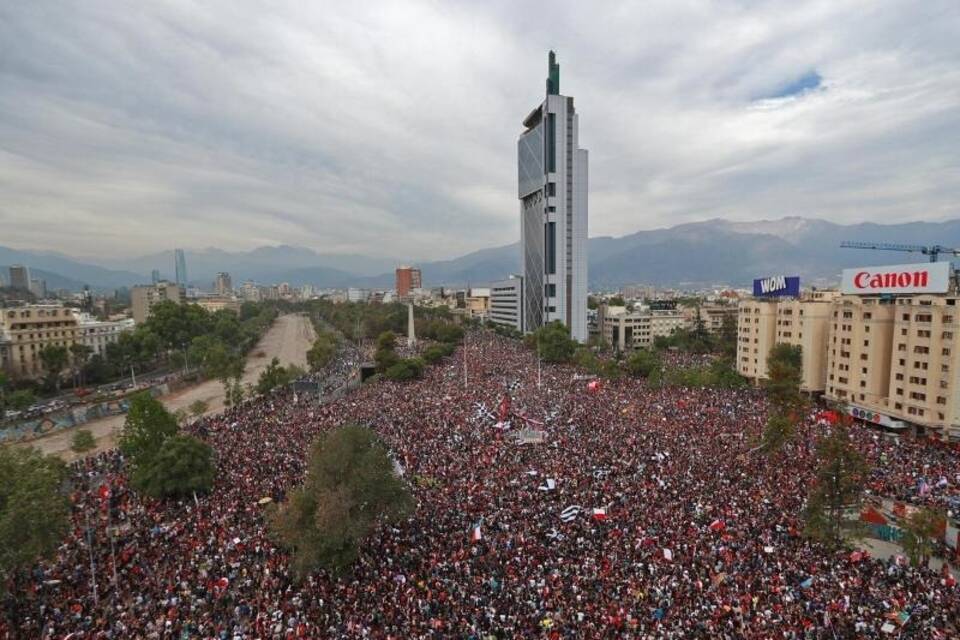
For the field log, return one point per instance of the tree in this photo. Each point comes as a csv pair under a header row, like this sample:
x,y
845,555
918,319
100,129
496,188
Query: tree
x,y
406,369
838,490
920,529
21,399
79,354
784,375
728,336
322,352
147,427
34,511
350,486
273,376
3,391
54,360
642,363
778,431
198,408
554,342
182,466
82,441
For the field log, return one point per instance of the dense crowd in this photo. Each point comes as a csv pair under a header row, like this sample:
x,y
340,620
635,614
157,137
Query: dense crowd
x,y
697,534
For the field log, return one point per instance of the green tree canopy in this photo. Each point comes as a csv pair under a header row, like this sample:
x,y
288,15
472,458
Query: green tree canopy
x,y
323,350
406,369
350,486
54,359
554,343
275,375
147,427
642,363
183,465
838,491
82,441
21,399
920,529
34,510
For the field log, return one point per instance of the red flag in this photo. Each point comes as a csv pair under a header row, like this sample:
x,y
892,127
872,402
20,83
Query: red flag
x,y
504,408
104,492
717,525
593,386
599,513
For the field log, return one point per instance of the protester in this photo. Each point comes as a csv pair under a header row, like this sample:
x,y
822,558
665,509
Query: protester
x,y
696,533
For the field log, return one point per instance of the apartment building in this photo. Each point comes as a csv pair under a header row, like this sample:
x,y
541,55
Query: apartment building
x,y
712,315
25,331
143,297
756,335
859,348
638,329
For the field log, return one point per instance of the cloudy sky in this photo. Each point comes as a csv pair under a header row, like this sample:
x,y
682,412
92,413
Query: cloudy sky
x,y
391,127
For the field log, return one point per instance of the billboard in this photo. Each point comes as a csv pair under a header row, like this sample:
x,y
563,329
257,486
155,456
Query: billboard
x,y
925,277
776,286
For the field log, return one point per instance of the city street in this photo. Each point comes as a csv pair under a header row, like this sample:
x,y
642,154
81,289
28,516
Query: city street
x,y
288,339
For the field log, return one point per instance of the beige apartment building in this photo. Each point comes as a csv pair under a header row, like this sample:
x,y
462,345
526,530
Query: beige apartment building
x,y
804,322
908,361
637,330
756,335
712,315
25,331
143,297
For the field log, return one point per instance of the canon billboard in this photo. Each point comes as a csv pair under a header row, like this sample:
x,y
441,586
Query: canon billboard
x,y
926,277
776,286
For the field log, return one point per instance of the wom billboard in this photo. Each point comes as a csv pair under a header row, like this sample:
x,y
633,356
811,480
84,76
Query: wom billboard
x,y
926,277
776,286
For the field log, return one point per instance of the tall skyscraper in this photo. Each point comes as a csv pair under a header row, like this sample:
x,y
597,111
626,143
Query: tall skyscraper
x,y
552,172
155,276
20,277
180,266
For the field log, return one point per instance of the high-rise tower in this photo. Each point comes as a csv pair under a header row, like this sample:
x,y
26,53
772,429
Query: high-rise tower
x,y
553,212
180,266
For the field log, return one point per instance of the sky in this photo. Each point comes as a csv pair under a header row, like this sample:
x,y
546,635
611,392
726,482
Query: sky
x,y
389,128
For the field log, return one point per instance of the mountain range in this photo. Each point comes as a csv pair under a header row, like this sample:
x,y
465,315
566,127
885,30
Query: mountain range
x,y
711,252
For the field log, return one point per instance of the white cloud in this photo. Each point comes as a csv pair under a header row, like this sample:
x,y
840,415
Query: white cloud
x,y
390,128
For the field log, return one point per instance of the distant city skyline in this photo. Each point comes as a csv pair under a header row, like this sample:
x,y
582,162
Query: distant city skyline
x,y
333,128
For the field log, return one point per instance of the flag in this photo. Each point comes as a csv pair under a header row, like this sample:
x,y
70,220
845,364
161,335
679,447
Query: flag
x,y
668,555
475,534
570,513
104,492
550,485
717,525
504,408
599,513
806,584
593,386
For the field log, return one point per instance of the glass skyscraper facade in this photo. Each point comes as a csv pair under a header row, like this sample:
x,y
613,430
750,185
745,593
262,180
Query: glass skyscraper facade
x,y
552,188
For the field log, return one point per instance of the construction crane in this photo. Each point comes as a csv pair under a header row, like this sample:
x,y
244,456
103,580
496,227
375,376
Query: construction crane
x,y
933,251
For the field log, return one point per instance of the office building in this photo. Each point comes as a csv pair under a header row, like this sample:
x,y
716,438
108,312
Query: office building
x,y
97,334
713,316
222,284
20,277
626,330
155,276
143,297
506,303
180,267
552,188
355,294
25,331
407,279
218,303
38,287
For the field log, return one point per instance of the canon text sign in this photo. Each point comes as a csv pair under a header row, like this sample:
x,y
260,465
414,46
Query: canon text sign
x,y
776,286
926,277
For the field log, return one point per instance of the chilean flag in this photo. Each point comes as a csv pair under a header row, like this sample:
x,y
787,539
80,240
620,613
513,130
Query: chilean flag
x,y
599,513
475,533
717,526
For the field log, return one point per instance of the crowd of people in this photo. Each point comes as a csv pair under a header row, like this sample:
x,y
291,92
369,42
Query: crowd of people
x,y
644,513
